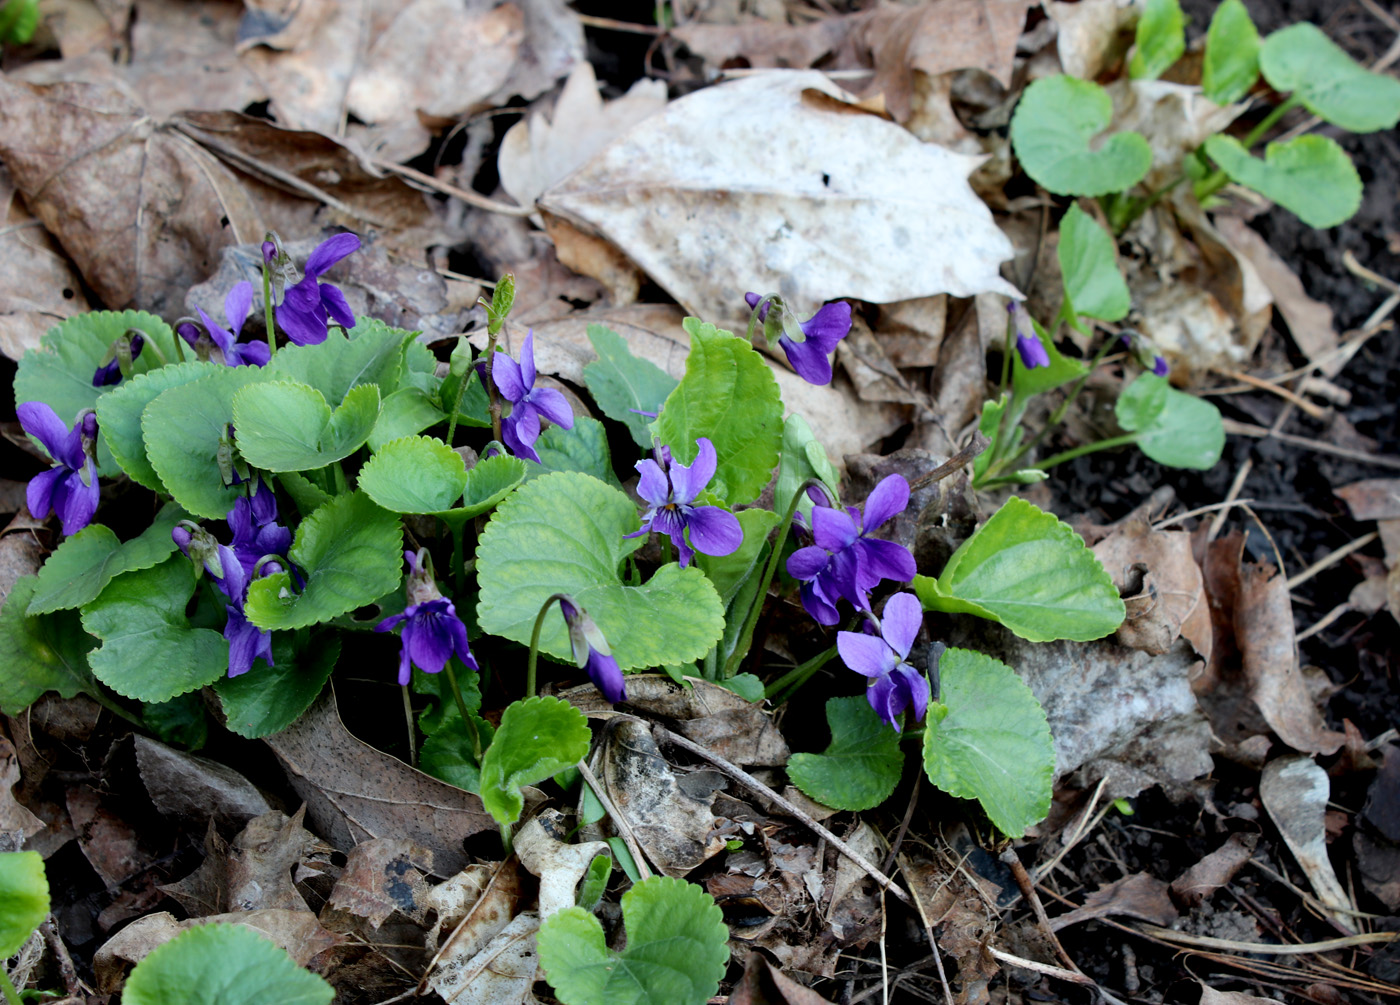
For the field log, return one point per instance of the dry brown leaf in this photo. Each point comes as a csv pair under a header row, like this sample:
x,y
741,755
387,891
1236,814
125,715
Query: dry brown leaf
x,y
542,848
590,255
776,182
764,984
381,876
488,917
355,792
1295,792
1140,896
1372,498
182,57
40,288
502,973
950,906
874,377
20,555
261,859
193,788
1209,996
1175,119
1093,34
911,331
16,822
304,55
539,151
1171,599
115,850
1214,871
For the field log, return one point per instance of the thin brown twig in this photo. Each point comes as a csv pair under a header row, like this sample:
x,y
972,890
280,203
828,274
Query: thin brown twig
x,y
66,971
1235,428
466,195
1328,561
740,775
962,458
1198,511
1230,499
1266,948
1011,860
1260,384
624,826
904,823
1324,622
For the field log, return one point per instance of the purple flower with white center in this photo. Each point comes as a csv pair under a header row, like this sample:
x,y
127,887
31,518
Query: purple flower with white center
x,y
110,373
1028,344
516,382
432,632
591,651
308,307
256,532
894,685
226,348
671,489
69,488
820,333
844,560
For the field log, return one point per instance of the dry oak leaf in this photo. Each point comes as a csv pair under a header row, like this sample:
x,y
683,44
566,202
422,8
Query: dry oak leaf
x,y
777,182
141,209
1171,601
39,288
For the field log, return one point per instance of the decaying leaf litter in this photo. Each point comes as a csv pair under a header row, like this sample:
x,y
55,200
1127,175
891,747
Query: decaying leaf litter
x,y
467,140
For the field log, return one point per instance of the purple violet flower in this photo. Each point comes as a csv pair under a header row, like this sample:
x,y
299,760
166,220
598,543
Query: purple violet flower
x,y
256,532
844,560
432,632
591,652
671,489
1028,344
1145,352
308,307
516,382
820,332
246,641
225,347
69,488
894,685
110,373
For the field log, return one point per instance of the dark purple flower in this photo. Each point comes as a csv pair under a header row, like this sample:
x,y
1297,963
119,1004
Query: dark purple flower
x,y
591,652
1028,344
894,685
308,307
432,632
223,346
256,532
671,489
246,641
844,560
819,335
516,382
111,372
69,488
269,252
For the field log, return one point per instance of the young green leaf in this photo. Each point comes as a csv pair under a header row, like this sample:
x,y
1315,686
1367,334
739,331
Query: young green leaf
x,y
44,653
222,965
623,385
351,553
676,949
537,738
416,474
1232,54
595,882
306,494
860,768
284,426
730,396
373,354
728,572
1094,286
271,699
803,458
745,685
987,739
407,411
18,21
1331,85
1310,176
119,416
563,533
583,448
448,753
85,563
488,482
1183,431
1161,39
1029,571
149,651
59,372
182,428
1050,132
24,898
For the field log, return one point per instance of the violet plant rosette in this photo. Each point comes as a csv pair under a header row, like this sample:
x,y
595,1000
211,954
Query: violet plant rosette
x,y
308,307
809,354
432,631
69,488
670,490
516,383
893,685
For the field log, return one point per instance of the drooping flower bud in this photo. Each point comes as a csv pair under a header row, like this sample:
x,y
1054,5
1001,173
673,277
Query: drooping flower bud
x,y
591,651
1028,344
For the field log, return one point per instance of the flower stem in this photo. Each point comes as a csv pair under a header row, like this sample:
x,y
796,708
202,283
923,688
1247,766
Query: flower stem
x,y
786,686
457,405
999,440
408,719
741,649
459,551
267,310
535,643
1088,448
492,394
462,707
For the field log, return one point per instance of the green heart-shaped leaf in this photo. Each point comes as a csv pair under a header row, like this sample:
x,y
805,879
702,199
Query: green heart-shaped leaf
x,y
44,653
1094,286
1050,132
803,458
24,898
676,949
82,566
537,738
1232,54
267,701
1331,85
1310,176
860,768
1029,571
119,416
624,385
583,448
563,533
284,426
415,474
1174,428
407,411
222,965
1161,39
372,354
351,553
728,395
987,739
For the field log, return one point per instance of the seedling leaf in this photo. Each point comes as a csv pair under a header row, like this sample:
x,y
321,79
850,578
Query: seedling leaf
x,y
24,898
1310,176
1232,54
537,738
1173,427
1050,132
222,965
1331,85
1093,285
861,766
44,653
1161,39
624,385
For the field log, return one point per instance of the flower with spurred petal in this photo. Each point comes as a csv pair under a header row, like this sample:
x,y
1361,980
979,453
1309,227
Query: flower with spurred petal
x,y
516,382
110,372
671,489
808,347
844,560
1028,344
223,345
591,652
894,685
308,307
432,632
69,488
256,532
246,641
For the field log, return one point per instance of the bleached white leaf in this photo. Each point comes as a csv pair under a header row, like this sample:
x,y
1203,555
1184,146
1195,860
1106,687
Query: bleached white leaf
x,y
776,182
